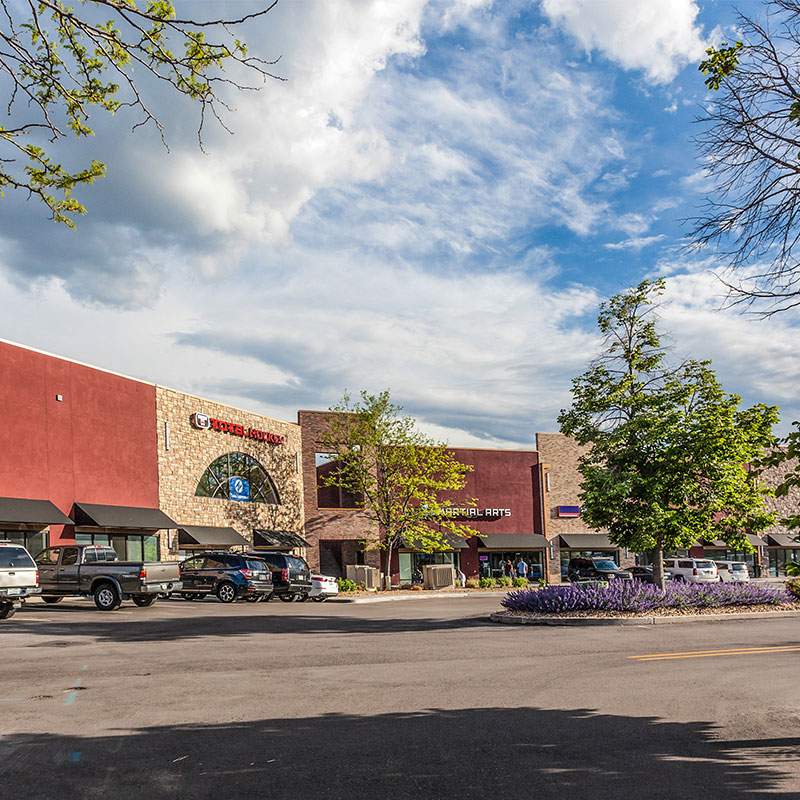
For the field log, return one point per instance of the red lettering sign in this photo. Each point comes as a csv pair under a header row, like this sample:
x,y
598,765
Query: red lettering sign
x,y
234,429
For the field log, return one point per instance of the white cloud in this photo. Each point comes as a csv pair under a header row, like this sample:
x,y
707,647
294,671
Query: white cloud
x,y
635,243
658,37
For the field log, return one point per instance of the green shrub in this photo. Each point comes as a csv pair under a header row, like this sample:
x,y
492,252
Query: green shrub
x,y
504,581
473,583
793,569
793,587
487,583
346,585
520,583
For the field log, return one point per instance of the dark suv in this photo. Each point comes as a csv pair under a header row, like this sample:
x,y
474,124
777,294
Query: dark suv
x,y
230,576
291,575
595,569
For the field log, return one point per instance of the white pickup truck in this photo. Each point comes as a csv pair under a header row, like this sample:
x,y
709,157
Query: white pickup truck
x,y
19,577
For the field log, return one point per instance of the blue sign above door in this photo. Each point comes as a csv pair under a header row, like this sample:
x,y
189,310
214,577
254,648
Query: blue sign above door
x,y
238,488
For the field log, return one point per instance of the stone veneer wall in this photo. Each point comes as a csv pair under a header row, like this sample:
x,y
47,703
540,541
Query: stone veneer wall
x,y
782,506
560,454
191,451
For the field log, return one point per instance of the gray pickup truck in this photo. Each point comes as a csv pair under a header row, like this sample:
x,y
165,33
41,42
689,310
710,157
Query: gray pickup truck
x,y
95,571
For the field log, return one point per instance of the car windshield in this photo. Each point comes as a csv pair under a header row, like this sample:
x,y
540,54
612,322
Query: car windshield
x,y
604,563
295,563
15,557
256,566
739,567
705,564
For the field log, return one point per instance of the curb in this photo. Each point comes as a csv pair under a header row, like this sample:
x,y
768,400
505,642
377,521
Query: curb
x,y
416,596
577,622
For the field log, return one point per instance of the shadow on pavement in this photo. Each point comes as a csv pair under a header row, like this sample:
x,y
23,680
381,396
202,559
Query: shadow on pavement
x,y
104,627
470,753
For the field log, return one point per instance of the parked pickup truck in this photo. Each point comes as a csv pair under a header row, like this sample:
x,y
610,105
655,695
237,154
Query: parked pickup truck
x,y
18,578
94,570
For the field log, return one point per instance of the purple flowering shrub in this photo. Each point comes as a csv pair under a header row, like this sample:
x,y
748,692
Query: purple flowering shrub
x,y
638,597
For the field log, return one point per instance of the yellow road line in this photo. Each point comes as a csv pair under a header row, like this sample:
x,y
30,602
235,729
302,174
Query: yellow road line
x,y
738,651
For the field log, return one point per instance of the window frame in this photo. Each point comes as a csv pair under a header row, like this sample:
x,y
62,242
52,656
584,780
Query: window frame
x,y
236,464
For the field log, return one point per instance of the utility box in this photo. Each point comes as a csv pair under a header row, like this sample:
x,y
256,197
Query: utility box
x,y
438,576
368,577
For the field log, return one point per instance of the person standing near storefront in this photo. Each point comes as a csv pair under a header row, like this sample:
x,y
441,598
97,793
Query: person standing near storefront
x,y
522,568
508,568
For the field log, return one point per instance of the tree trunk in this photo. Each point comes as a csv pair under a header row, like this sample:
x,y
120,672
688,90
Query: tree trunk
x,y
658,567
387,584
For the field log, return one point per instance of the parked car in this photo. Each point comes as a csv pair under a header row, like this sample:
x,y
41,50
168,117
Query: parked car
x,y
19,578
595,569
323,587
229,576
88,570
291,575
692,570
732,571
642,573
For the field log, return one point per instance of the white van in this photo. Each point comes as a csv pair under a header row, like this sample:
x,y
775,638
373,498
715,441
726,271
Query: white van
x,y
732,571
692,570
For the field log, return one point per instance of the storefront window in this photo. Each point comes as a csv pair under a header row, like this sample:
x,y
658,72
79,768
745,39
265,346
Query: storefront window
x,y
491,563
134,547
779,558
256,485
411,564
33,541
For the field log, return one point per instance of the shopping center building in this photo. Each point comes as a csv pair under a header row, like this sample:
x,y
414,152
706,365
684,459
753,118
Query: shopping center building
x,y
92,456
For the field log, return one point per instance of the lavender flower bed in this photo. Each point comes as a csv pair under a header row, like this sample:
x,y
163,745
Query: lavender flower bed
x,y
638,597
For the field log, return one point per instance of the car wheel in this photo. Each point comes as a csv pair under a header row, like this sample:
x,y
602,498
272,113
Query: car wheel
x,y
301,598
253,598
7,610
320,598
144,600
51,601
187,596
106,597
286,597
226,592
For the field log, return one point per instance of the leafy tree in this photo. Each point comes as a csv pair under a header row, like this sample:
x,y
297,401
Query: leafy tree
x,y
59,63
397,473
750,148
668,451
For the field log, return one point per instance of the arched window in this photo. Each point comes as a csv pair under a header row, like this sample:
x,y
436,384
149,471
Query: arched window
x,y
227,475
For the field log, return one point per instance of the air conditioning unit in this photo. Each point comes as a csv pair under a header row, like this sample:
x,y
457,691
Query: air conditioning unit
x,y
368,577
438,576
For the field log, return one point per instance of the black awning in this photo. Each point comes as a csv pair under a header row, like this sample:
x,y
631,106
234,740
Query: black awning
x,y
263,538
513,541
782,540
586,541
209,536
122,517
31,512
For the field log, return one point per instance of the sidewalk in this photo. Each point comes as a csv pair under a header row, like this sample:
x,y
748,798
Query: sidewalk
x,y
388,597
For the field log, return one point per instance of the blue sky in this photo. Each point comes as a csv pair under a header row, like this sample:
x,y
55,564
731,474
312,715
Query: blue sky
x,y
435,201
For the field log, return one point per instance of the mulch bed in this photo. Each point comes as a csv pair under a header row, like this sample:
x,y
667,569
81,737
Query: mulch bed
x,y
660,612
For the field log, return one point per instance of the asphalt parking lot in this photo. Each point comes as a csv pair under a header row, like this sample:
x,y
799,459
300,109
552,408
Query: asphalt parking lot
x,y
422,699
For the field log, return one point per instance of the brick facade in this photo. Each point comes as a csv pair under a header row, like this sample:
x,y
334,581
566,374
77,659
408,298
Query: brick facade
x,y
343,528
190,451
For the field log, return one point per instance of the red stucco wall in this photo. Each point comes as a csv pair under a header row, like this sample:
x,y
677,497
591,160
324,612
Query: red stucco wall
x,y
97,446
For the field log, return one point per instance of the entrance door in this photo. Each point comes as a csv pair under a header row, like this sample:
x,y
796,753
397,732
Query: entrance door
x,y
330,559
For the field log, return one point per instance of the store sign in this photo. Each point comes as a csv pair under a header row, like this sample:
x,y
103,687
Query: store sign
x,y
238,488
475,513
569,511
205,423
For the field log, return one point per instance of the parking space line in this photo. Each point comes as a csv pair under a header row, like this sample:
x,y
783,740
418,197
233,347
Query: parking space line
x,y
737,651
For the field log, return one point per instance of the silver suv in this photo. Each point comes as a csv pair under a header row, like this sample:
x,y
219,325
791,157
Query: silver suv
x,y
19,577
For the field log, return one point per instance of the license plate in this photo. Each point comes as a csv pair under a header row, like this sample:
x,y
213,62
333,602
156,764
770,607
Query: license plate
x,y
15,592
